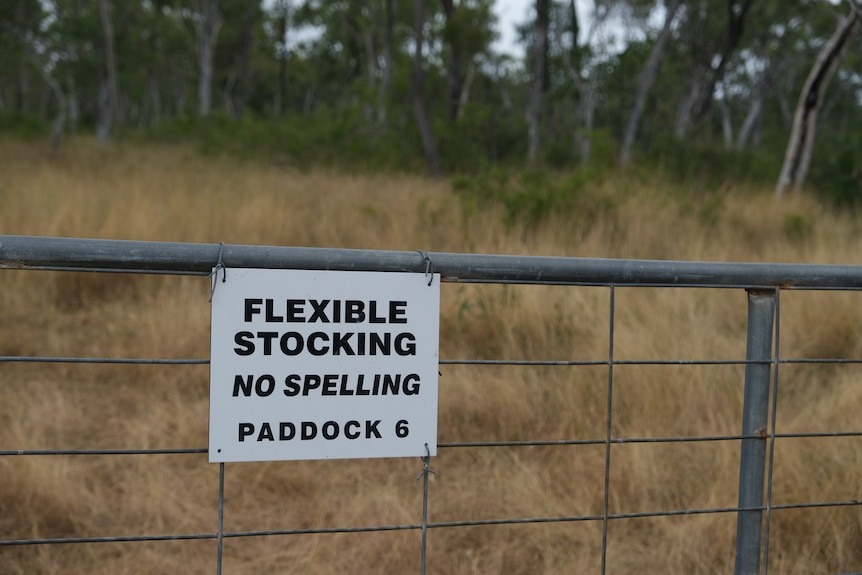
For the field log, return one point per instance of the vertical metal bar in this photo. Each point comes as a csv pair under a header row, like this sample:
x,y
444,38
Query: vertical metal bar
x,y
220,516
755,413
774,411
608,431
426,471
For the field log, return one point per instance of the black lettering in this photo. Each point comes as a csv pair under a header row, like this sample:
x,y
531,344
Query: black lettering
x,y
405,343
410,384
295,310
270,313
242,385
402,428
245,429
309,430
352,434
355,311
312,381
360,390
265,433
346,390
329,430
244,339
291,385
382,344
372,313
259,385
390,384
298,343
267,337
250,309
319,311
371,429
329,382
312,348
286,431
340,341
398,312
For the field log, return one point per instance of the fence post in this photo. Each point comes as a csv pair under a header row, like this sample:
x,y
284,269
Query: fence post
x,y
755,413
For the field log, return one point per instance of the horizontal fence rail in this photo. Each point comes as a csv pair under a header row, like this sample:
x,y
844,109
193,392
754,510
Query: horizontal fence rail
x,y
762,282
25,252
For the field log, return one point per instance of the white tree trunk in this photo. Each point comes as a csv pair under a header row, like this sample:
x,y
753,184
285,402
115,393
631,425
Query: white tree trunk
x,y
752,117
207,25
534,107
429,142
798,155
645,82
112,98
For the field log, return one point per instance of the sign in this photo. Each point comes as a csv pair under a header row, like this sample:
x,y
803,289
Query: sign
x,y
323,364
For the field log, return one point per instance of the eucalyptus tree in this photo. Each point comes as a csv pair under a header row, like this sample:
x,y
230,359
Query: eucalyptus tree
x,y
20,29
109,96
207,21
417,85
468,32
711,48
539,77
646,78
797,158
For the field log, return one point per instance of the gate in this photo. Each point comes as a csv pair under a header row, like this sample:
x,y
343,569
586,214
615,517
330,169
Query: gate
x,y
760,289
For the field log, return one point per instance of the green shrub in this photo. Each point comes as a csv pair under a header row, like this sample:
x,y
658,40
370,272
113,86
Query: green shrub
x,y
530,197
25,126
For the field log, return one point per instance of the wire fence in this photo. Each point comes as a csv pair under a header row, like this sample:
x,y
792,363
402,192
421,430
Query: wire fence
x,y
762,365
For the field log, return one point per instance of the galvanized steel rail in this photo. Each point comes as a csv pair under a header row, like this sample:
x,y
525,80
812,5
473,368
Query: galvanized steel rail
x,y
763,282
27,252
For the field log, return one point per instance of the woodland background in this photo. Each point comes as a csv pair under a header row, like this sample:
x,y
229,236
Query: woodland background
x,y
713,91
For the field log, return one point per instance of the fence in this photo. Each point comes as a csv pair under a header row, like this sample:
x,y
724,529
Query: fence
x,y
763,283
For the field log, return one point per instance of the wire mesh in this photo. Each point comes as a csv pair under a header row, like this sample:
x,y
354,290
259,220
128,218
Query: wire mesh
x,y
610,440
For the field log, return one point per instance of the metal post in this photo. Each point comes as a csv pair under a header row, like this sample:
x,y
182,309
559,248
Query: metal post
x,y
220,517
426,471
755,413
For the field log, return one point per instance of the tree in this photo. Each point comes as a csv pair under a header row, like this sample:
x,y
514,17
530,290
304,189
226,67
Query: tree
x,y
467,32
645,81
235,52
109,98
207,22
797,158
538,82
710,66
388,60
429,142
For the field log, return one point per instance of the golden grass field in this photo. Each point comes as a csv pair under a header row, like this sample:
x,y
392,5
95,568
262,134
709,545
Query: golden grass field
x,y
173,194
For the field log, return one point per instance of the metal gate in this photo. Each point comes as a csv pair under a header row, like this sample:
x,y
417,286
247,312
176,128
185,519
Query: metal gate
x,y
760,285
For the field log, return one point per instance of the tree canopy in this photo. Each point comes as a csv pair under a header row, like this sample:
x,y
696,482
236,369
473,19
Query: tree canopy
x,y
695,87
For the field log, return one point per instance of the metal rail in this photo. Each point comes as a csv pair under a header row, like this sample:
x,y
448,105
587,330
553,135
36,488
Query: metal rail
x,y
29,252
763,282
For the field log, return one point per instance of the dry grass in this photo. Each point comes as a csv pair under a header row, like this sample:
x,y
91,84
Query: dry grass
x,y
175,195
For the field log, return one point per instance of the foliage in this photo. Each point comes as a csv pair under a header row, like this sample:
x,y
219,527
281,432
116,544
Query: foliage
x,y
531,197
331,83
27,126
837,172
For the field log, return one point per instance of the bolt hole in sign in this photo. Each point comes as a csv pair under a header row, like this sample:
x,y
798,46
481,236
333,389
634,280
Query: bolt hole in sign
x,y
323,365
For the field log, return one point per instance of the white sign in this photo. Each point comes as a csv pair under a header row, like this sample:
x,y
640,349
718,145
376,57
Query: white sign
x,y
323,364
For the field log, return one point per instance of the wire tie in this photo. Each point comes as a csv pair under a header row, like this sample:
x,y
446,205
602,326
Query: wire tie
x,y
425,469
214,274
429,267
